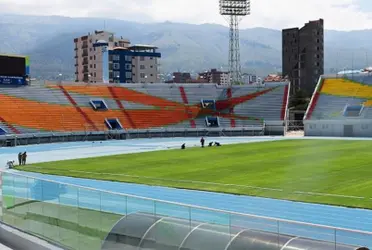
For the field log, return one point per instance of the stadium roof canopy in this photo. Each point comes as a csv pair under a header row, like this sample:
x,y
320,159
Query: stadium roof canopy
x,y
148,231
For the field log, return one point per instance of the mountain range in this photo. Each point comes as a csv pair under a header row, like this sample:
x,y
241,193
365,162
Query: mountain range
x,y
48,40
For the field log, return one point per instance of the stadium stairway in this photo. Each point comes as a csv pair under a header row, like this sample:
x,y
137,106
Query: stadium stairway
x,y
121,106
87,119
231,111
187,110
9,128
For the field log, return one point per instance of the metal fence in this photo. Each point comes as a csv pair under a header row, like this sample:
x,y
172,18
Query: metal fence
x,y
54,137
77,217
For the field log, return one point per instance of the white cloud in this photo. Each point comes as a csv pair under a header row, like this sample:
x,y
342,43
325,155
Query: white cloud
x,y
338,14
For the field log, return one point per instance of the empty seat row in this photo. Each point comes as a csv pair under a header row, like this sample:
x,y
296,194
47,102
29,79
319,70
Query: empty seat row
x,y
335,94
67,107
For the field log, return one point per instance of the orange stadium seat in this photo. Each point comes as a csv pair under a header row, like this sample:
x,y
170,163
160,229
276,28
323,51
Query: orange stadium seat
x,y
41,116
52,117
62,108
120,93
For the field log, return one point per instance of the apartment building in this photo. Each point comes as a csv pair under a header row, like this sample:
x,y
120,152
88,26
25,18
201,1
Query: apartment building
x,y
145,63
180,77
103,58
215,76
303,55
185,77
249,78
88,57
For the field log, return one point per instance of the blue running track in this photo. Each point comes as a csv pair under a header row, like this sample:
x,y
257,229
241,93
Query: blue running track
x,y
358,219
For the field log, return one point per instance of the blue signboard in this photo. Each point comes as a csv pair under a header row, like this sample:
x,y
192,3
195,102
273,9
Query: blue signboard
x,y
12,80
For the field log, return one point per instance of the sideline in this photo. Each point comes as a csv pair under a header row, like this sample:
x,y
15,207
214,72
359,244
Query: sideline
x,y
212,183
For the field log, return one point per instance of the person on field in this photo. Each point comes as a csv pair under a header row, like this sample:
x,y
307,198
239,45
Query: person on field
x,y
210,144
20,158
24,158
183,146
10,164
202,141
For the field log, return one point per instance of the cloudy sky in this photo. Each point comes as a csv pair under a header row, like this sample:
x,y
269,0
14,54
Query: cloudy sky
x,y
338,14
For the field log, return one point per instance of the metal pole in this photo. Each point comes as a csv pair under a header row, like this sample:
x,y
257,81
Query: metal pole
x,y
234,50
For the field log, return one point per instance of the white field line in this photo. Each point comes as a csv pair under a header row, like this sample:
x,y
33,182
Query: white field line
x,y
218,184
172,180
332,195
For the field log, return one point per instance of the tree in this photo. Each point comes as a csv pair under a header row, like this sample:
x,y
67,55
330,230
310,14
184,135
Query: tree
x,y
299,101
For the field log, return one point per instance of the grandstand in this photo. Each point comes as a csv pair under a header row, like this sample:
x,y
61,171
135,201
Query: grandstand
x,y
60,108
341,106
84,216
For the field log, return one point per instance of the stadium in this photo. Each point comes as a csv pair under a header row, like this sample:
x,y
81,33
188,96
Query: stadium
x,y
183,166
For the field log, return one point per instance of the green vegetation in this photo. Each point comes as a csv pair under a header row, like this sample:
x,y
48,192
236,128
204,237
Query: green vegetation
x,y
300,100
323,171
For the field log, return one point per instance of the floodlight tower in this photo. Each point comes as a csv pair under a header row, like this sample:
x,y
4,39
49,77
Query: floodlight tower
x,y
234,11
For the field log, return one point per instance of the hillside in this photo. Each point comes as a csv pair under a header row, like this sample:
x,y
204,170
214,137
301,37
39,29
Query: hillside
x,y
185,47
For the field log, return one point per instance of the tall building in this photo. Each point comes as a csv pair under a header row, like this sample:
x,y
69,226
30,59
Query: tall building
x,y
101,57
88,58
215,76
145,63
249,78
303,55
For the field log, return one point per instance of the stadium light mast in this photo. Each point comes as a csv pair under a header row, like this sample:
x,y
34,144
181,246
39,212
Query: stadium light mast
x,y
234,11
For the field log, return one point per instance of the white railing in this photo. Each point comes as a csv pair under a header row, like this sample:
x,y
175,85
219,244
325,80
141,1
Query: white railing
x,y
43,198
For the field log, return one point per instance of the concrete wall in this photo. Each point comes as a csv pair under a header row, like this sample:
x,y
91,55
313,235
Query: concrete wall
x,y
333,128
27,139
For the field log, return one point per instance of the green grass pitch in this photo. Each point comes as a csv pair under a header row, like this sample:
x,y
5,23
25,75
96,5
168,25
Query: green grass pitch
x,y
337,172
